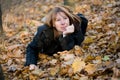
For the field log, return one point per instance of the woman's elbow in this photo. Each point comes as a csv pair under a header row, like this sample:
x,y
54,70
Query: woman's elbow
x,y
80,40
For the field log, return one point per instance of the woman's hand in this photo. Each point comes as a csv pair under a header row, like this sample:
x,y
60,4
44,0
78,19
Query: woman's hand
x,y
69,29
32,67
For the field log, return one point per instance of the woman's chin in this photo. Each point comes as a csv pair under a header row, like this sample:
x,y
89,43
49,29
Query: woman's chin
x,y
63,30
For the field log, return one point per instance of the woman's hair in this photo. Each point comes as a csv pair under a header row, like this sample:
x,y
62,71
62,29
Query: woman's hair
x,y
50,18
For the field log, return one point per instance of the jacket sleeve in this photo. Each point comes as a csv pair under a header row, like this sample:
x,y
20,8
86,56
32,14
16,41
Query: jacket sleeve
x,y
84,23
71,40
34,47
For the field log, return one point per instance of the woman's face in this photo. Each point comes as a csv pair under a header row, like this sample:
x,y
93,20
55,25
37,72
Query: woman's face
x,y
61,22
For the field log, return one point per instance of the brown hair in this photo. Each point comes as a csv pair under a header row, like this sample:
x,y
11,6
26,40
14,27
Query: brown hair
x,y
74,19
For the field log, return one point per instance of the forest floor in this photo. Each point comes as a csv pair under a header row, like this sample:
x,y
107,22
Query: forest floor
x,y
98,58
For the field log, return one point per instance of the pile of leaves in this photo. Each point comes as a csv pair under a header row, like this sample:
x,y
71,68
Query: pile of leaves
x,y
97,58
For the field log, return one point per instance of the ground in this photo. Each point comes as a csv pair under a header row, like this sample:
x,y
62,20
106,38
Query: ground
x,y
98,58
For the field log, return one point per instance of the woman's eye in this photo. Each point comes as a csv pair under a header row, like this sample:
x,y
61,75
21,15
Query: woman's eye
x,y
65,17
57,19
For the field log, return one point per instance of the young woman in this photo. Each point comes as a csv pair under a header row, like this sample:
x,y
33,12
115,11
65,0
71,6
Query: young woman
x,y
62,31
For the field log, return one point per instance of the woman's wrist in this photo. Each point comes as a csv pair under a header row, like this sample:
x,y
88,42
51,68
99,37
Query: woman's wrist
x,y
64,35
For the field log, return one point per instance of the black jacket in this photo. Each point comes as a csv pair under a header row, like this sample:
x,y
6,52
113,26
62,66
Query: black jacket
x,y
44,42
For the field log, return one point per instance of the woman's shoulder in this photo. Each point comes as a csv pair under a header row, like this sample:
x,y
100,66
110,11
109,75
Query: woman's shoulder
x,y
82,16
45,29
42,27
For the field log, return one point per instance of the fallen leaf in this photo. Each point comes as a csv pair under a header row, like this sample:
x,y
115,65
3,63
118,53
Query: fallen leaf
x,y
89,58
9,48
42,56
98,60
54,71
78,65
90,68
37,72
88,40
53,61
97,2
64,70
32,77
84,78
116,73
105,58
63,52
67,57
78,50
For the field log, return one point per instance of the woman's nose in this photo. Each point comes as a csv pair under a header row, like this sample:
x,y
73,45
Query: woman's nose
x,y
62,22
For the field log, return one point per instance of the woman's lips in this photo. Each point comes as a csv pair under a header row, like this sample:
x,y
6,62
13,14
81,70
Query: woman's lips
x,y
63,28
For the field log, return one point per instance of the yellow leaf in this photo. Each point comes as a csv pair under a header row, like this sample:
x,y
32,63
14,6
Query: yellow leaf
x,y
88,40
89,58
54,71
42,56
78,65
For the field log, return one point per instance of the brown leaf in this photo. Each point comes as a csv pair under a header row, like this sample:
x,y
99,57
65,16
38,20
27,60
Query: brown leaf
x,y
54,71
63,52
97,2
90,68
67,57
119,33
88,40
98,60
64,70
78,50
116,73
17,53
42,56
89,58
37,72
9,48
32,77
53,61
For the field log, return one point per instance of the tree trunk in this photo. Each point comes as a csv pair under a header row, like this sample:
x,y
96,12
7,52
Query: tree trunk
x,y
1,74
1,27
70,3
5,5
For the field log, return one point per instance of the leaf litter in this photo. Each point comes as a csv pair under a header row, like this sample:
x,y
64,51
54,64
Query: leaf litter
x,y
97,58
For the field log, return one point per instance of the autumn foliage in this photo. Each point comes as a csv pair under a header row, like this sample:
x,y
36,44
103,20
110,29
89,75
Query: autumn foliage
x,y
97,58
